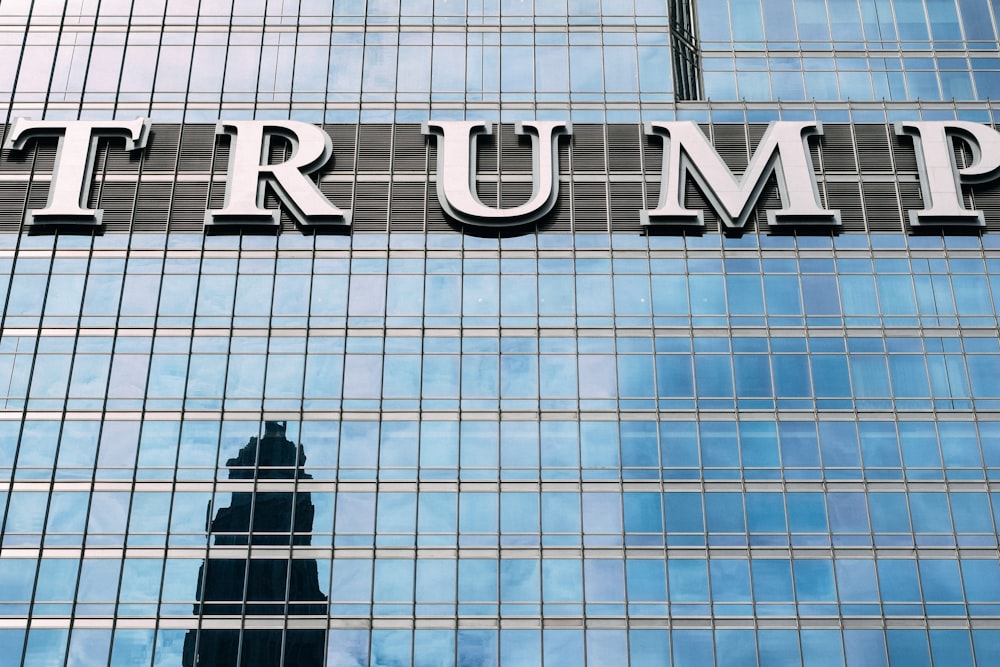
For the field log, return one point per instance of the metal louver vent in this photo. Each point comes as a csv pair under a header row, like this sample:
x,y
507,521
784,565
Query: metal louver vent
x,y
345,141
406,213
16,161
487,147
117,159
515,151
911,200
624,148
341,193
162,146
588,148
838,149
196,149
376,142
769,201
436,221
152,207
38,195
987,199
220,158
695,199
278,150
188,205
731,144
625,203
590,207
846,197
514,193
117,201
371,207
874,154
559,220
652,155
13,195
488,192
409,149
903,154
755,132
45,155
881,207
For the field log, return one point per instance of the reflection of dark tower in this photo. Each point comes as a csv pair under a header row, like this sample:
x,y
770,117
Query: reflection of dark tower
x,y
261,518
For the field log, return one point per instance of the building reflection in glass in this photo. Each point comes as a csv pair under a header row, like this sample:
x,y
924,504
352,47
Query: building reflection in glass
x,y
271,587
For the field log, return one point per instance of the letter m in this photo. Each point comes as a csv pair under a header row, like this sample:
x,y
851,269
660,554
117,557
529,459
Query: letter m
x,y
783,151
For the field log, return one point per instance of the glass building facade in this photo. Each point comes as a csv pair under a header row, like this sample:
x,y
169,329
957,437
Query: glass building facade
x,y
580,444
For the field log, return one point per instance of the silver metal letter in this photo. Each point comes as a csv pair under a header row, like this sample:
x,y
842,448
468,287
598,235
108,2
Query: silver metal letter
x,y
782,151
250,173
941,178
456,171
74,166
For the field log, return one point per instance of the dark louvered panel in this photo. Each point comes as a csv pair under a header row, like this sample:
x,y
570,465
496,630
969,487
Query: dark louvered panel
x,y
341,193
755,132
406,213
564,152
432,155
196,149
16,162
625,203
409,149
118,160
345,140
514,193
769,201
12,200
838,149
590,207
874,154
652,155
881,207
220,160
217,196
903,153
624,148
38,195
271,201
45,155
375,141
152,206
436,219
588,148
911,200
38,154
162,145
488,193
559,220
987,200
731,144
515,151
279,150
694,200
846,197
653,193
117,202
487,152
371,207
93,194
963,152
188,206
814,154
